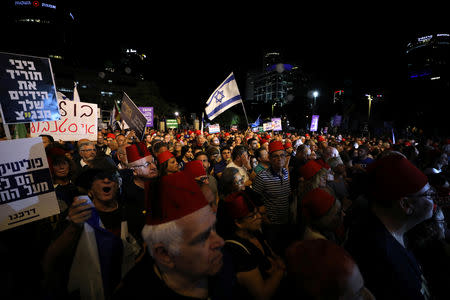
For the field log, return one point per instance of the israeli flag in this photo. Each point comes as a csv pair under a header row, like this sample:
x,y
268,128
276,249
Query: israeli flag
x,y
225,96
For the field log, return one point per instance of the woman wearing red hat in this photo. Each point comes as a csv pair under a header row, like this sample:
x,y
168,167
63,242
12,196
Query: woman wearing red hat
x,y
259,270
167,163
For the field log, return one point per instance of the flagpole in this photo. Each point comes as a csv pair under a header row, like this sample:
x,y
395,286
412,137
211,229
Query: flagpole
x,y
245,113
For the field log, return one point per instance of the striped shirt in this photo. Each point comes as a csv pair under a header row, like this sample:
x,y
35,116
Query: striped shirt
x,y
275,190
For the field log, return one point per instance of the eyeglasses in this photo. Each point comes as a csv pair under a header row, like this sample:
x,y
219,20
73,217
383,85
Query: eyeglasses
x,y
88,150
240,181
201,179
145,165
430,193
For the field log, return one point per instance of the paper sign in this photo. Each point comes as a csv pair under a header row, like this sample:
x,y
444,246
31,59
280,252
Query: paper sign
x,y
27,89
78,121
214,128
276,124
267,126
314,122
131,114
171,123
26,187
148,113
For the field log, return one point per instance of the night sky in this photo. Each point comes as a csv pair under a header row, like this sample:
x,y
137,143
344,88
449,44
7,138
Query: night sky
x,y
193,49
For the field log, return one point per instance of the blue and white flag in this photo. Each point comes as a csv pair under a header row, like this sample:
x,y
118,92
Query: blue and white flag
x,y
257,122
225,96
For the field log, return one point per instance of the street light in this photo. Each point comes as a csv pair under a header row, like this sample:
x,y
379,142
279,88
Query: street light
x,y
315,94
176,113
369,97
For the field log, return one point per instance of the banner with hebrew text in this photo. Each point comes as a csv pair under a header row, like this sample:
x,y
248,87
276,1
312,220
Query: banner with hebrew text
x,y
78,121
26,187
27,89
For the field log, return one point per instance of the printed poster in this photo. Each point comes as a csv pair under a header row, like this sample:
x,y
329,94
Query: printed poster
x,y
26,187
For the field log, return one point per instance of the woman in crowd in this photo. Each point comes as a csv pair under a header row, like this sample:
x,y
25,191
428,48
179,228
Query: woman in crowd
x,y
259,270
167,163
185,156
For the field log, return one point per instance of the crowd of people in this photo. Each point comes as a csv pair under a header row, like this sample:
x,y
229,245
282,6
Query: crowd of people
x,y
237,215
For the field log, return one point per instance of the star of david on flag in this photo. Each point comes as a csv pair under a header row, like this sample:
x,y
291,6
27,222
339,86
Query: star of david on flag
x,y
225,96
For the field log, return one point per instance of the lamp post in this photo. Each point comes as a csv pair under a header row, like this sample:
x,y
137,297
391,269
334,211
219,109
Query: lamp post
x,y
369,97
315,94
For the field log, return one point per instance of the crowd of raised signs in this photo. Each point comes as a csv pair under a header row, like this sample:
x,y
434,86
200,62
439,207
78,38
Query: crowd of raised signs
x,y
185,214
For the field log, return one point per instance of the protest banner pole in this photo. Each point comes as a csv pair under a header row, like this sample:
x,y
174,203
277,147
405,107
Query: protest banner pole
x,y
5,126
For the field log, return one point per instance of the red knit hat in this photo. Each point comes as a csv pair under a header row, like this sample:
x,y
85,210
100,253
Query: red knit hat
x,y
137,151
275,146
179,195
236,205
111,135
393,177
194,169
164,156
316,203
308,170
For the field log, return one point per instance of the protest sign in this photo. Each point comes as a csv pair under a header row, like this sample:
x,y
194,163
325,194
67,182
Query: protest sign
x,y
26,187
131,114
148,113
27,89
314,123
171,123
78,121
214,128
267,126
276,124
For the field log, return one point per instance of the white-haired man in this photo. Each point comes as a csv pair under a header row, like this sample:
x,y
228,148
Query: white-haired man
x,y
183,244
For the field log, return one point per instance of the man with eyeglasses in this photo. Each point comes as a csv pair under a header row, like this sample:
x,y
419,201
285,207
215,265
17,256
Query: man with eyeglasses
x,y
274,187
87,152
143,166
400,197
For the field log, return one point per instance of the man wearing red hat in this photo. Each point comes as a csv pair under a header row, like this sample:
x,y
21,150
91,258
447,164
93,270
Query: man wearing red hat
x,y
400,198
142,164
274,187
182,242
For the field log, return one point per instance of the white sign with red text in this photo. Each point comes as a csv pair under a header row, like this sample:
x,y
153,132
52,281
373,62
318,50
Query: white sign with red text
x,y
78,121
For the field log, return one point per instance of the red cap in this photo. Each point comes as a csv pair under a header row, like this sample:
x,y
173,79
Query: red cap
x,y
198,132
393,177
321,138
316,203
263,141
137,151
318,266
164,156
194,169
287,145
236,205
179,195
308,170
275,146
111,135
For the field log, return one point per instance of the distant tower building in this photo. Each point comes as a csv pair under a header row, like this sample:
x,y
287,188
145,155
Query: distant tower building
x,y
275,84
428,57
